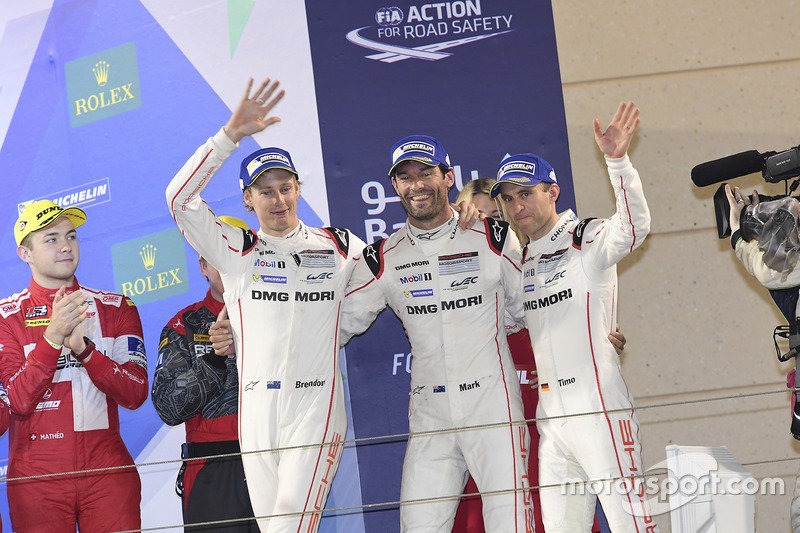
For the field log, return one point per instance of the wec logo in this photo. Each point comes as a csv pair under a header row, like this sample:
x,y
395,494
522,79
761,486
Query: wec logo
x,y
557,276
464,282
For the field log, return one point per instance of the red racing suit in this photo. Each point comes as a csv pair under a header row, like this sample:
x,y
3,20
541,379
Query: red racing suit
x,y
570,296
290,388
5,416
65,417
451,294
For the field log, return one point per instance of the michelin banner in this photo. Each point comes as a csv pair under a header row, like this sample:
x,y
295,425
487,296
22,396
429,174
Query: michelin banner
x,y
102,102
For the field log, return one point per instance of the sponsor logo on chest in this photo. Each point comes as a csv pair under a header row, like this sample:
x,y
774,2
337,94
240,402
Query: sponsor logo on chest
x,y
317,258
299,296
416,278
551,262
548,301
269,263
459,284
419,293
459,263
447,305
412,264
264,278
318,277
553,279
36,311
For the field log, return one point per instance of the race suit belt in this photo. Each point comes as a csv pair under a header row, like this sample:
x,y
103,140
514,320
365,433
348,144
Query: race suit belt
x,y
191,450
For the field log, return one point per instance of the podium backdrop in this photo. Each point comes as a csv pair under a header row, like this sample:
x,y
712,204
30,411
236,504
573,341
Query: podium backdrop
x,y
102,102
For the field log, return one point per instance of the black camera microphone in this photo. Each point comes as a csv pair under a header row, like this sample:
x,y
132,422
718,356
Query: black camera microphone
x,y
730,167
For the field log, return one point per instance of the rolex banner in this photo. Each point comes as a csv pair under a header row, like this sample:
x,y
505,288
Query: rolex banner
x,y
102,102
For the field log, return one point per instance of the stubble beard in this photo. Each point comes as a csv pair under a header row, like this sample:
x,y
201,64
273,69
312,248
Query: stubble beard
x,y
437,207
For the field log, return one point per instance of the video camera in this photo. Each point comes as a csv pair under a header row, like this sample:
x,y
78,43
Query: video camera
x,y
774,167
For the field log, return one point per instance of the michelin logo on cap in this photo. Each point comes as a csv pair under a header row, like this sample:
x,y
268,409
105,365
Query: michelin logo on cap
x,y
258,161
413,146
525,170
423,148
517,165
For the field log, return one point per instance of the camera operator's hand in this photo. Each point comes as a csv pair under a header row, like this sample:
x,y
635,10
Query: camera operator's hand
x,y
738,201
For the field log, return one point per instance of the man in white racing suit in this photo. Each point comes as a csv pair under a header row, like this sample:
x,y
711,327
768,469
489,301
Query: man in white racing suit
x,y
586,420
450,288
277,281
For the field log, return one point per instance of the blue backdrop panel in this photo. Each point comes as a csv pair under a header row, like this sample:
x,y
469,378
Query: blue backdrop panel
x,y
482,76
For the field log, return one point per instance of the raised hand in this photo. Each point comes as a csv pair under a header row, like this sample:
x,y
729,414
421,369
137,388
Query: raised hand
x,y
614,142
250,116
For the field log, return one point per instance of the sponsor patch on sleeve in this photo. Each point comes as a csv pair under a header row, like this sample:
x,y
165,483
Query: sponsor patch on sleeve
x,y
136,352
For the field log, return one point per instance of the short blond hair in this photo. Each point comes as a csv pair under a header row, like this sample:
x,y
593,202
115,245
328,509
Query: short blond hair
x,y
478,186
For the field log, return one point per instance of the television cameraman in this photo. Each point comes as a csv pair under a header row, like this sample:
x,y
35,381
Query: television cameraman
x,y
764,236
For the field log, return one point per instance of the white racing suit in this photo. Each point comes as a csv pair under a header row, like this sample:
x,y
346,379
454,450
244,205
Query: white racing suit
x,y
290,389
570,297
450,293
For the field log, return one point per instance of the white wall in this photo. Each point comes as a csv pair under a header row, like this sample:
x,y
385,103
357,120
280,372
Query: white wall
x,y
712,78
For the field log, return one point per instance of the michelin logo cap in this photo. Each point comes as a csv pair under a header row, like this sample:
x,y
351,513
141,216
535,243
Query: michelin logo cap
x,y
422,148
262,160
525,170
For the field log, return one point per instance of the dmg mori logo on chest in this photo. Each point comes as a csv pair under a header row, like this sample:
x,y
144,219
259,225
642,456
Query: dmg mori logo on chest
x,y
103,84
151,268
